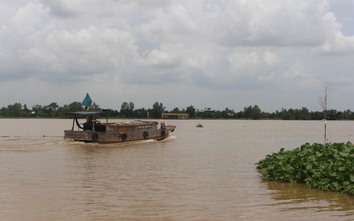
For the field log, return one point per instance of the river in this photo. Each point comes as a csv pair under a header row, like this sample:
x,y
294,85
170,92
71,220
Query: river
x,y
204,173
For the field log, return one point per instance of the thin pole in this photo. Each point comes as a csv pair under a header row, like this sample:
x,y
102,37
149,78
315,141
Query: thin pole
x,y
325,132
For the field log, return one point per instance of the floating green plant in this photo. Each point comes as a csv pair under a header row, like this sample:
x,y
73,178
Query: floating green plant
x,y
327,167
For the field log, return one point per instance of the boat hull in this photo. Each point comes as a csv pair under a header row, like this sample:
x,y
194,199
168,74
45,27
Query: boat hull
x,y
92,130
132,134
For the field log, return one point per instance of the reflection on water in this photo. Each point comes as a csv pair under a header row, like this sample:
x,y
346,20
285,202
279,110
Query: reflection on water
x,y
299,197
197,174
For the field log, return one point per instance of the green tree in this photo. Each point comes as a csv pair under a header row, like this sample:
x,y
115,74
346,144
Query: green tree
x,y
25,111
305,114
3,112
347,114
37,110
140,113
175,110
50,110
157,110
207,113
14,110
190,110
95,107
74,106
227,113
127,109
61,112
252,112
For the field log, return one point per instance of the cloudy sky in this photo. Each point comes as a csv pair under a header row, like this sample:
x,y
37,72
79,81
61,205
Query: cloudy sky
x,y
226,53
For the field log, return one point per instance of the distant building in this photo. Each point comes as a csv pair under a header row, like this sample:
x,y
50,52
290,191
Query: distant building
x,y
175,116
265,114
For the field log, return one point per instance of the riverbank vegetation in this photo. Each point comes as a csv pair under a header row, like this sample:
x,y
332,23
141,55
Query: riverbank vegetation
x,y
326,167
127,110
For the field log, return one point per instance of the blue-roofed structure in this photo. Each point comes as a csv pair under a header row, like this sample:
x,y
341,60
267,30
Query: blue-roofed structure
x,y
87,102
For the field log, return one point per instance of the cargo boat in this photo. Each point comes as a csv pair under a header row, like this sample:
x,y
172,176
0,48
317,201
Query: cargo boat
x,y
93,130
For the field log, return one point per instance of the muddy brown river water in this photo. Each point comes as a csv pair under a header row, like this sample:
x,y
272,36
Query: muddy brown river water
x,y
204,173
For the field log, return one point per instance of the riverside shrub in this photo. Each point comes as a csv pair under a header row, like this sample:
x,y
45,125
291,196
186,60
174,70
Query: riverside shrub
x,y
327,167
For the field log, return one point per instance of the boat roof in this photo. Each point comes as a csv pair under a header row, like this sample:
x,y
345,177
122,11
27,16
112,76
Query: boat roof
x,y
88,113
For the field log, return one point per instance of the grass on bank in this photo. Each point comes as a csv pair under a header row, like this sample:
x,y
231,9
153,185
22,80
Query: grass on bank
x,y
327,167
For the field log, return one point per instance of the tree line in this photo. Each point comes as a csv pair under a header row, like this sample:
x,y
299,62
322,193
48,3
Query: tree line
x,y
127,110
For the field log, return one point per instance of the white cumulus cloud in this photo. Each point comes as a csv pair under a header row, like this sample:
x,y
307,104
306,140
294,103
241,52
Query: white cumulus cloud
x,y
137,50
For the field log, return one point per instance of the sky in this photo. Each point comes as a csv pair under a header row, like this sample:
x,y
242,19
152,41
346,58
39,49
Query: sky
x,y
210,54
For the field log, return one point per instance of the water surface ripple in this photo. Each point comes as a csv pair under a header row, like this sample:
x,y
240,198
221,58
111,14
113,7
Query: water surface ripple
x,y
196,174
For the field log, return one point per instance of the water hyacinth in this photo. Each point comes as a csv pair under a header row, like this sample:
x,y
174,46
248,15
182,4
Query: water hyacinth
x,y
327,167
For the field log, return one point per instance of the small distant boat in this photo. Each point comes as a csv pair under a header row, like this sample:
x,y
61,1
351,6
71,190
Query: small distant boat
x,y
199,125
92,130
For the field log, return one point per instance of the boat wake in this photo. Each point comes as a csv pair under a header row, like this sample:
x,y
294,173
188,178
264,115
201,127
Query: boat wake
x,y
169,138
120,144
28,143
39,143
